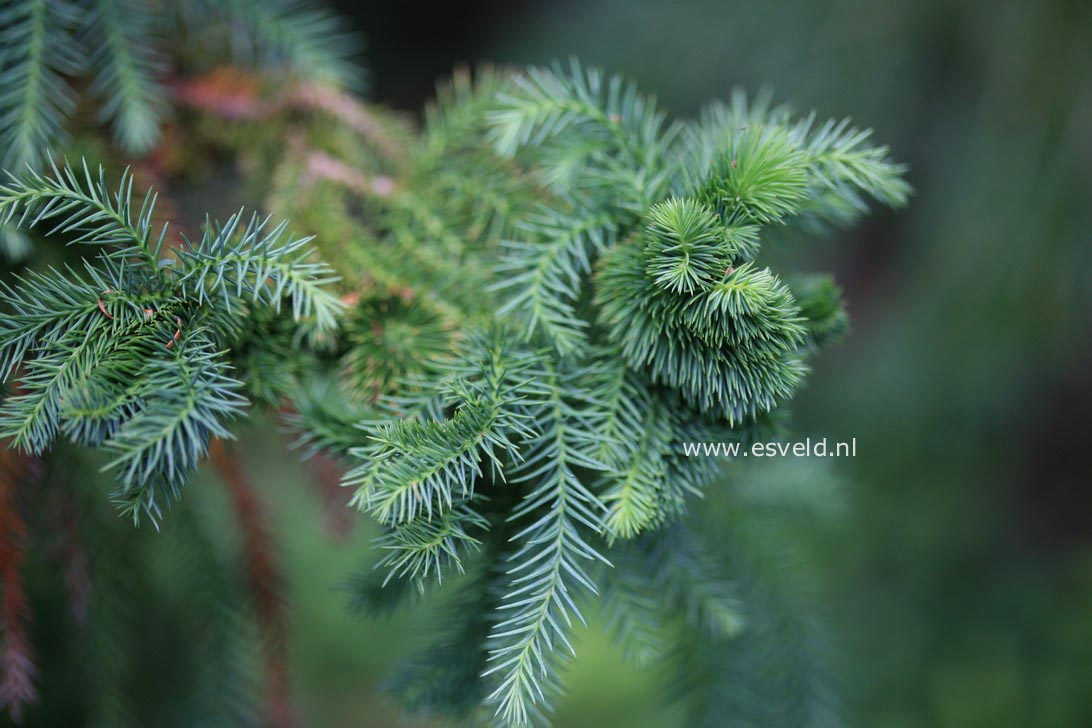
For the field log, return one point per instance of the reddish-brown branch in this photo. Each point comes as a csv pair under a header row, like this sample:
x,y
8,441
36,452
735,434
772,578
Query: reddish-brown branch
x,y
227,92
235,94
69,550
326,473
263,575
322,166
17,670
348,111
334,499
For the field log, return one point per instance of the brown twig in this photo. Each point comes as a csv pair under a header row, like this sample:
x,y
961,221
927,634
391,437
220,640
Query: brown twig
x,y
226,92
350,112
323,166
69,551
77,575
263,574
235,94
17,669
177,332
334,499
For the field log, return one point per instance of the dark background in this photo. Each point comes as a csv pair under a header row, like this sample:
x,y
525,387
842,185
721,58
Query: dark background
x,y
961,579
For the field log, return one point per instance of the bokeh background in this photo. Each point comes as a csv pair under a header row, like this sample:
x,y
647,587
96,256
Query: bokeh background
x,y
957,578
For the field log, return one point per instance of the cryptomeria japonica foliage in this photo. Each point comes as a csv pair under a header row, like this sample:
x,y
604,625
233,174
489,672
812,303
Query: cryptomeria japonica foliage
x,y
526,307
622,312
130,354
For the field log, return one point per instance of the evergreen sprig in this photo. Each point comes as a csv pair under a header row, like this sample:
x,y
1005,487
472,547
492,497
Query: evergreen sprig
x,y
550,567
626,290
130,354
44,44
554,289
37,53
127,70
310,42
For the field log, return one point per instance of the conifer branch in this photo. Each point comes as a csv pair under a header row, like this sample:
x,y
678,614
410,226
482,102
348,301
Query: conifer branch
x,y
192,398
45,45
426,547
544,272
127,71
552,288
416,467
130,355
36,54
84,208
547,103
309,42
230,264
629,280
539,603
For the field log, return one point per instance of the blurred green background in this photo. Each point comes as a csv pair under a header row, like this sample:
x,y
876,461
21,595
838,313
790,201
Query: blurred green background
x,y
958,579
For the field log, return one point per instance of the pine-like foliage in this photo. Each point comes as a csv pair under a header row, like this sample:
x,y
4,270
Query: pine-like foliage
x,y
130,354
116,45
610,306
546,291
141,348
